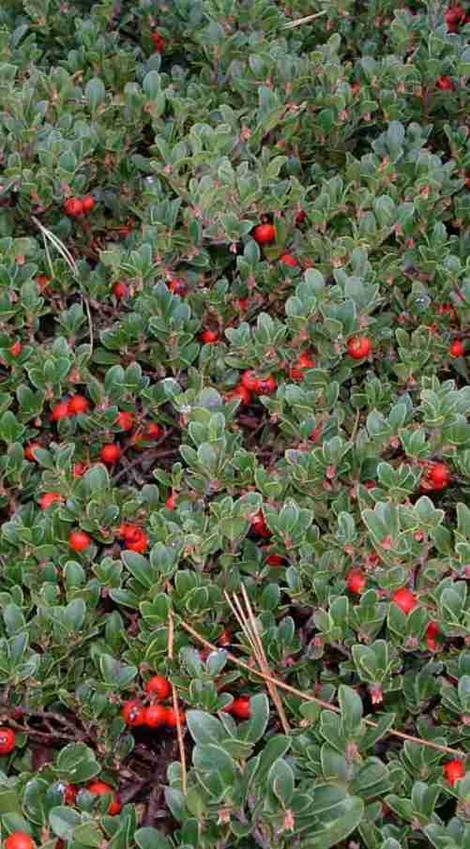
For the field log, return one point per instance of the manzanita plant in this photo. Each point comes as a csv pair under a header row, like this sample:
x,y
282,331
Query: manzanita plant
x,y
235,446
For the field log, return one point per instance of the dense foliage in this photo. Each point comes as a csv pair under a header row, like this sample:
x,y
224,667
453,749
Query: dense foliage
x,y
235,291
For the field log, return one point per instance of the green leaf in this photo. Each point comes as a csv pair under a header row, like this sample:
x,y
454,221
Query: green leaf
x,y
150,838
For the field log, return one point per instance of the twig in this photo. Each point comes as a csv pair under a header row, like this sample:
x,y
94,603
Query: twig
x,y
299,21
307,697
179,730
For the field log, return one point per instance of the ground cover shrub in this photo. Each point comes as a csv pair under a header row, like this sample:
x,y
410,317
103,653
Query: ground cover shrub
x,y
235,448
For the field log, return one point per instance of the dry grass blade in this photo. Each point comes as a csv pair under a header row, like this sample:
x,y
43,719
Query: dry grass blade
x,y
175,700
299,21
263,663
50,237
248,623
392,732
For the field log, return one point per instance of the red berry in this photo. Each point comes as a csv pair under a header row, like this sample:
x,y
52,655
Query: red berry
x,y
359,347
405,600
453,771
110,453
250,380
259,526
454,17
133,712
445,83
241,707
79,469
275,560
288,259
158,686
240,392
125,420
177,286
225,638
210,337
79,540
49,498
100,788
264,234
135,538
43,281
155,715
267,385
73,207
120,289
60,411
70,794
300,216
30,451
304,361
78,404
457,349
437,476
432,632
158,41
356,581
7,741
139,543
88,203
171,717
152,431
16,348
19,840
115,807
170,503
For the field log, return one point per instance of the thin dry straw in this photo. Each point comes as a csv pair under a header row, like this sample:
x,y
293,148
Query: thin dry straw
x,y
299,21
179,730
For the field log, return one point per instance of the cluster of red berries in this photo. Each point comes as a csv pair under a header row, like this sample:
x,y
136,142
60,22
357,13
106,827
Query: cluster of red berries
x,y
73,406
22,840
154,715
135,538
303,362
75,207
97,788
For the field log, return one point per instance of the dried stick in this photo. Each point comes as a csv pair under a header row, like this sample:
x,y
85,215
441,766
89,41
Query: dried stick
x,y
179,729
307,697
